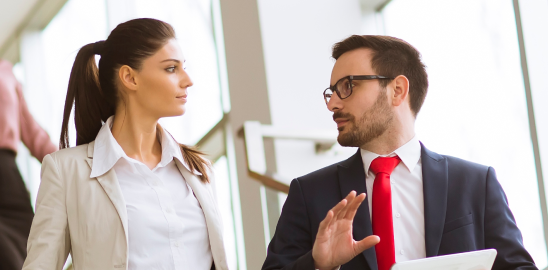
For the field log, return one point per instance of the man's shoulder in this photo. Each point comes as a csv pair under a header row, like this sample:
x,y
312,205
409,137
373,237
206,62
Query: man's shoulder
x,y
465,164
324,172
328,173
453,163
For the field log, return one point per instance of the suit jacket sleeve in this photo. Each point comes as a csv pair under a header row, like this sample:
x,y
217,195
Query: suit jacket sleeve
x,y
291,246
501,231
49,241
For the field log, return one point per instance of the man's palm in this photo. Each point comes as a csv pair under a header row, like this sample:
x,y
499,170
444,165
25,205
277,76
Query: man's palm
x,y
334,243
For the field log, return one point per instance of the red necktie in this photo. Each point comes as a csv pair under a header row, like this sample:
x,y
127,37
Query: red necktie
x,y
382,210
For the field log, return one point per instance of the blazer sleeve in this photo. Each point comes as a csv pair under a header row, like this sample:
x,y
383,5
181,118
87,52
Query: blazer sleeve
x,y
291,246
501,231
49,241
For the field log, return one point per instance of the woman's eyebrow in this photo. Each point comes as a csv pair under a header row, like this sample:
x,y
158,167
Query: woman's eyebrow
x,y
174,60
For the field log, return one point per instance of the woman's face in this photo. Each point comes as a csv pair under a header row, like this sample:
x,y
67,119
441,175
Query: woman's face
x,y
162,82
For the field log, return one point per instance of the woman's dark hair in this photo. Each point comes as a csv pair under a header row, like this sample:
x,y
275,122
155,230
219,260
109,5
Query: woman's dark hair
x,y
93,92
391,57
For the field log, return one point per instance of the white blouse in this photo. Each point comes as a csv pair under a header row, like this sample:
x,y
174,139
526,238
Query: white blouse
x,y
166,225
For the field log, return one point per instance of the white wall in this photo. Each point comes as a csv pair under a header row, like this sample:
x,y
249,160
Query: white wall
x,y
297,39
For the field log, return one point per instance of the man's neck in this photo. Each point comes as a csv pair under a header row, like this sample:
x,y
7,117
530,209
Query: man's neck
x,y
390,141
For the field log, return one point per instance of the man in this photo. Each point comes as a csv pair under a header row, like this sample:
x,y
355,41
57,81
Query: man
x,y
16,125
419,204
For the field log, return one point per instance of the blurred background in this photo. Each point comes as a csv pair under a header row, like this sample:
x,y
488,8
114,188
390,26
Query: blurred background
x,y
269,62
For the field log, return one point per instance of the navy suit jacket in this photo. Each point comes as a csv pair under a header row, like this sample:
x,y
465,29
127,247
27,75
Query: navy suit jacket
x,y
465,209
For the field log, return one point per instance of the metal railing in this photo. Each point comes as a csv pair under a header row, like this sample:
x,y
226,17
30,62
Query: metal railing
x,y
254,132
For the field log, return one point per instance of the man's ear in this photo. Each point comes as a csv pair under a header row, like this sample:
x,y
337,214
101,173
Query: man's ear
x,y
127,77
401,90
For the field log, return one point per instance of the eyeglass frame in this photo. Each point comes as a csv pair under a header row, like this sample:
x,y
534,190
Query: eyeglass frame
x,y
351,78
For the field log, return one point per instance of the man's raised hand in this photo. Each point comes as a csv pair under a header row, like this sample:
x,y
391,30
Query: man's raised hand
x,y
334,243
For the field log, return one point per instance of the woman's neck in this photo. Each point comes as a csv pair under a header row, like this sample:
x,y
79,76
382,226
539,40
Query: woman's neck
x,y
137,137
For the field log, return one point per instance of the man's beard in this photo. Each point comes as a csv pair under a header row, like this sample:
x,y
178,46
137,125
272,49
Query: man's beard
x,y
372,124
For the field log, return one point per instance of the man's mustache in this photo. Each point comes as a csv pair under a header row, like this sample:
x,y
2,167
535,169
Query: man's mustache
x,y
343,115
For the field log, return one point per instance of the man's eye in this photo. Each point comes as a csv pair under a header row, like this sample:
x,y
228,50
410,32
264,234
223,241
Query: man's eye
x,y
170,69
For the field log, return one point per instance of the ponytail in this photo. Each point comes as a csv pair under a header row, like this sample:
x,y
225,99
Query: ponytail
x,y
196,162
91,107
194,159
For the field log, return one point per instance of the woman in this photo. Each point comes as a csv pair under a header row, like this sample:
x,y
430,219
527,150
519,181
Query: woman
x,y
128,196
16,125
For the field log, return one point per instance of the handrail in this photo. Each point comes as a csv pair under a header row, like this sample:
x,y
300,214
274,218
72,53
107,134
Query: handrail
x,y
269,180
254,132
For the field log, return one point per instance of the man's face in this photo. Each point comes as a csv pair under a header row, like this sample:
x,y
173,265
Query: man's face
x,y
366,114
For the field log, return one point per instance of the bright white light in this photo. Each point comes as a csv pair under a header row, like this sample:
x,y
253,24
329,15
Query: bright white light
x,y
475,108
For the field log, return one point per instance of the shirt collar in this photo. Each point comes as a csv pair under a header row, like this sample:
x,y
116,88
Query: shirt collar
x,y
172,149
107,151
409,153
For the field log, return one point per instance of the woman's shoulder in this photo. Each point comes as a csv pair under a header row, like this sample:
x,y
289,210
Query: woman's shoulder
x,y
76,153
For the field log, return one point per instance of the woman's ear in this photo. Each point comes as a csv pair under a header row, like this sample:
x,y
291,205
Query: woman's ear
x,y
401,90
127,77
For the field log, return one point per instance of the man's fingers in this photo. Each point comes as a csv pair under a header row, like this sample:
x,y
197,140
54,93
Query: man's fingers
x,y
337,209
350,198
353,206
324,225
339,206
366,243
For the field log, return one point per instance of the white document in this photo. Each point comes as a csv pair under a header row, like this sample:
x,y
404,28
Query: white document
x,y
475,260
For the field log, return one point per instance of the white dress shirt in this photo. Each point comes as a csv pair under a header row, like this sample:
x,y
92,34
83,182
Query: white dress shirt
x,y
166,225
407,199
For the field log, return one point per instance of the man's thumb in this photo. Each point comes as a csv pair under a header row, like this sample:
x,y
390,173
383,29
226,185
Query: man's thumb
x,y
367,242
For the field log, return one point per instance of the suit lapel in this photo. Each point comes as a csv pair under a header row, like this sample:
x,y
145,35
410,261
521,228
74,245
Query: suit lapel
x,y
352,177
435,177
110,185
207,203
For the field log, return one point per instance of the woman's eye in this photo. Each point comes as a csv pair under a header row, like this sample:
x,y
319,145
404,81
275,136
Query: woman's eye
x,y
170,69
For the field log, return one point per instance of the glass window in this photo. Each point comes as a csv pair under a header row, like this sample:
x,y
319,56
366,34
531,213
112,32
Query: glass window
x,y
476,107
193,24
46,61
224,200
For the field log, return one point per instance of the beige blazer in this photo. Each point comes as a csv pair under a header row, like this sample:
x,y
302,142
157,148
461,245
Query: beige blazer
x,y
87,216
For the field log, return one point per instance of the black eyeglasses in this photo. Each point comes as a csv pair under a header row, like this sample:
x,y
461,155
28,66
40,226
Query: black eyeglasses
x,y
343,87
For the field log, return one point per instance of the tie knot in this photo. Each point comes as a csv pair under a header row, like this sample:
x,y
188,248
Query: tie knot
x,y
384,164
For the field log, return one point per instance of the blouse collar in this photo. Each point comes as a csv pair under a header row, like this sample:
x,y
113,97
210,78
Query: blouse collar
x,y
107,151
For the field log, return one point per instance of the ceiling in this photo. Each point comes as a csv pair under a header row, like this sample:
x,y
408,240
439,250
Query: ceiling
x,y
18,16
372,5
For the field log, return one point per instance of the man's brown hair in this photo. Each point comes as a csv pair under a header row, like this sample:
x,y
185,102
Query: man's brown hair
x,y
391,57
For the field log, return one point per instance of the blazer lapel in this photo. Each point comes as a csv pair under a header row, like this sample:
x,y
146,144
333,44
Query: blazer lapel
x,y
352,177
435,177
212,216
109,182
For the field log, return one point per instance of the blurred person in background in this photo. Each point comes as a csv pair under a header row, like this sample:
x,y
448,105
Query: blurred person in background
x,y
128,196
16,124
419,203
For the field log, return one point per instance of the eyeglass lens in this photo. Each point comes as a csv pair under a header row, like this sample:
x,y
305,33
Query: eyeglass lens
x,y
343,87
